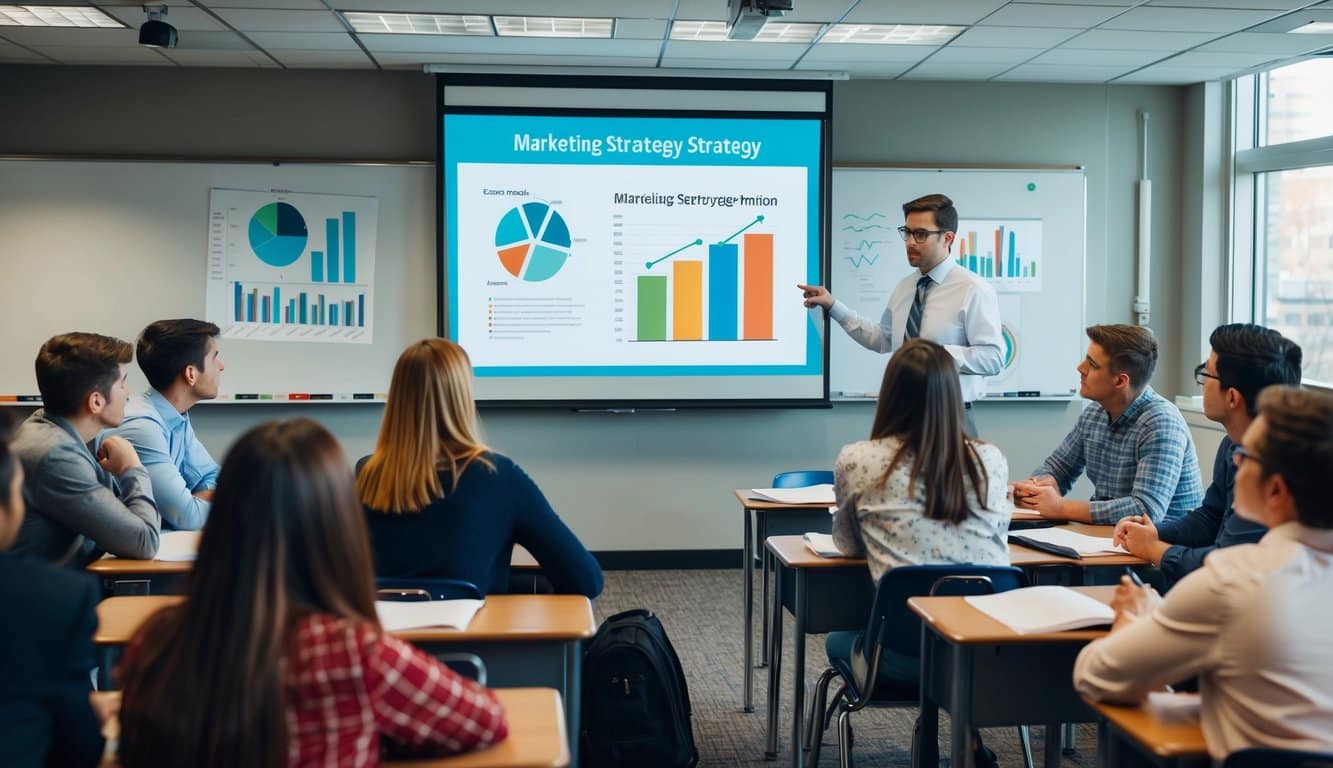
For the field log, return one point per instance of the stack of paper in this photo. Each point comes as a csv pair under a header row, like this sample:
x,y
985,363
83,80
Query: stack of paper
x,y
1043,609
809,494
822,544
1174,707
455,614
1081,544
178,546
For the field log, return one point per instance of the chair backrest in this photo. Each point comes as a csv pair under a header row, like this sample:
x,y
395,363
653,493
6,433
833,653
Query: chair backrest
x,y
802,477
425,589
468,665
1263,757
894,624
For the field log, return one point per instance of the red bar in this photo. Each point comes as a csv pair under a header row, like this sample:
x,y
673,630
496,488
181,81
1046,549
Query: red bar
x,y
299,396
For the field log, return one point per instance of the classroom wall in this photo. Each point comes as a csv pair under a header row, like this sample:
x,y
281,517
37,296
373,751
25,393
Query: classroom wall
x,y
653,481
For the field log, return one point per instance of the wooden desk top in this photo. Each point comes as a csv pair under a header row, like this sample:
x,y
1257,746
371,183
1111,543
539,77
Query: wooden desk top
x,y
792,552
743,496
503,617
520,560
1024,557
536,736
955,618
1184,739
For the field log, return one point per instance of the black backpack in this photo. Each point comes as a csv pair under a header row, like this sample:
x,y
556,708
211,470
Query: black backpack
x,y
636,706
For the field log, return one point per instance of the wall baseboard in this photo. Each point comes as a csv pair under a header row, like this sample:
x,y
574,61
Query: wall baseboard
x,y
668,559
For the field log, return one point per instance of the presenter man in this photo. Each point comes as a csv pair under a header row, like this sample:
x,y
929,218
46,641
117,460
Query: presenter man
x,y
940,302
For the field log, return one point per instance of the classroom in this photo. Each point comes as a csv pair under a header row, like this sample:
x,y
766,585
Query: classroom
x,y
98,130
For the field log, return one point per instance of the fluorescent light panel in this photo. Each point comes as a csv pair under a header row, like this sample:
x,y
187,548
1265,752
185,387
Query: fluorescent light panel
x,y
1314,28
773,31
419,23
891,34
552,26
56,16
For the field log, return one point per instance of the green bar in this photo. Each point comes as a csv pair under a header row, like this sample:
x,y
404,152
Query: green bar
x,y
652,307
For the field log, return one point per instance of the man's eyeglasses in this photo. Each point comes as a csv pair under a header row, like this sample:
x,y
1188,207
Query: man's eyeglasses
x,y
1201,373
1240,453
919,235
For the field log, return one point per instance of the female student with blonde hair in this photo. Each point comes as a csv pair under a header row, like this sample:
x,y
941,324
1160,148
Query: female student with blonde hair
x,y
440,504
276,657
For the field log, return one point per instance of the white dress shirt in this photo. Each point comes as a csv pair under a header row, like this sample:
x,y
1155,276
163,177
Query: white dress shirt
x,y
961,312
1254,625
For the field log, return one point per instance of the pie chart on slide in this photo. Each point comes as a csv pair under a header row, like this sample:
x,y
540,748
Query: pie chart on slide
x,y
278,234
532,241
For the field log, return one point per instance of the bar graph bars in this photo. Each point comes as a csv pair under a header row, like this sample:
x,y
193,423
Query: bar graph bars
x,y
727,297
1008,250
326,266
251,305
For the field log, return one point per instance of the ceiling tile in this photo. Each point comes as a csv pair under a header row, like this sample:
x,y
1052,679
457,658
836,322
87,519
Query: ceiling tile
x,y
269,20
870,54
940,70
542,46
1295,20
627,9
313,41
137,55
863,69
17,53
1058,73
1268,42
1014,37
307,5
71,37
1098,58
421,59
916,12
1272,5
311,59
1236,61
246,59
767,52
1155,19
641,29
184,18
1038,15
1124,40
957,55
1162,75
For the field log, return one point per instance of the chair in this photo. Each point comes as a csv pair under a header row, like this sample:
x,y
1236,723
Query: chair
x,y
893,626
468,665
409,590
1262,757
816,521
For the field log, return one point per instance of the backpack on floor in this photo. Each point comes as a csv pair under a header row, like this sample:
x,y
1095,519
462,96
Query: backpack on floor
x,y
636,706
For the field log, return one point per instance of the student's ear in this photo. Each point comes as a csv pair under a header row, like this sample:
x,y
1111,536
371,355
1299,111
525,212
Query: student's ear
x,y
1121,381
190,374
93,402
1235,401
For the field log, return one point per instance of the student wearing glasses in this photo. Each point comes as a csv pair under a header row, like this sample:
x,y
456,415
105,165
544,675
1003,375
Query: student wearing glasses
x,y
1253,622
940,302
1244,359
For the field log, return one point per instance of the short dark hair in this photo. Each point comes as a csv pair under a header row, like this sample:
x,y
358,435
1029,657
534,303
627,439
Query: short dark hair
x,y
946,216
167,346
1299,446
1251,357
1132,349
71,365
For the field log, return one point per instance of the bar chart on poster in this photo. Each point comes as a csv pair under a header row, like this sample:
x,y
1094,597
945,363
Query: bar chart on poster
x,y
1022,231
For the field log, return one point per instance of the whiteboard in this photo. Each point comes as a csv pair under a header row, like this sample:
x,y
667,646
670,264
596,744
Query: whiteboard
x,y
110,246
1039,219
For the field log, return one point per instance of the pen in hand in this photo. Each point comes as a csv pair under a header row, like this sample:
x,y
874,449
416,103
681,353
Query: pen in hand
x,y
1134,577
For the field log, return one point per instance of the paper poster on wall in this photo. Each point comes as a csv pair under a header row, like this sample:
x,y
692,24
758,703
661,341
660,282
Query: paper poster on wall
x,y
287,266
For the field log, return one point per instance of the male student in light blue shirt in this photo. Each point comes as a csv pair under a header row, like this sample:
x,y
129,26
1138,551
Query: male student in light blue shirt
x,y
181,360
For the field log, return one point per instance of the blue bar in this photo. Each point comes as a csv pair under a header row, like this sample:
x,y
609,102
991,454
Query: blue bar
x,y
723,284
277,302
347,314
264,303
333,314
303,306
1013,253
972,264
331,245
291,311
316,266
250,308
319,319
349,247
239,303
361,311
333,267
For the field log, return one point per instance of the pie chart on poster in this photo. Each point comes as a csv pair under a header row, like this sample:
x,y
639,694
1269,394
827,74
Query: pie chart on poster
x,y
278,234
532,241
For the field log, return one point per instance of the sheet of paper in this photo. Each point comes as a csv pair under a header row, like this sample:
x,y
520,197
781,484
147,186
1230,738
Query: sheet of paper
x,y
822,544
178,546
1043,609
1085,545
397,616
810,494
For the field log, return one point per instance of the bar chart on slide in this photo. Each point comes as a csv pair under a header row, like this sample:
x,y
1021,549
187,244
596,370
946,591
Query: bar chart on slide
x,y
1007,252
296,268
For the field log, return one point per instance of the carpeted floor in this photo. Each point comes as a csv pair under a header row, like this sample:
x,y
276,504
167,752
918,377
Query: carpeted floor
x,y
702,613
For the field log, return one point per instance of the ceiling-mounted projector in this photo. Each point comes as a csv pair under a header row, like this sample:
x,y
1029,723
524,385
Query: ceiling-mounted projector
x,y
156,33
746,17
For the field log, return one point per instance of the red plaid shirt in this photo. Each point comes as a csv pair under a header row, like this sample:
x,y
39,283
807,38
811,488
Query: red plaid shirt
x,y
347,685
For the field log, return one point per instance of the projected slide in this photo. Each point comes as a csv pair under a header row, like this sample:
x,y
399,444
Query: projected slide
x,y
581,246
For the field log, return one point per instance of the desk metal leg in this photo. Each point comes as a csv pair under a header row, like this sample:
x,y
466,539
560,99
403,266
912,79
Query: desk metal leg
x,y
926,734
573,695
774,673
797,668
747,594
960,713
766,561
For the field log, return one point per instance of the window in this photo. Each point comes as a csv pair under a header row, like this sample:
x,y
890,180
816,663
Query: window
x,y
1283,265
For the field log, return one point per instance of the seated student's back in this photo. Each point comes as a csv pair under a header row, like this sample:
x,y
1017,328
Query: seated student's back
x,y
440,504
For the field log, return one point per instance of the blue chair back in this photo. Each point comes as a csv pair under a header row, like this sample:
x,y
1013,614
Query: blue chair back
x,y
894,624
426,589
802,477
1262,757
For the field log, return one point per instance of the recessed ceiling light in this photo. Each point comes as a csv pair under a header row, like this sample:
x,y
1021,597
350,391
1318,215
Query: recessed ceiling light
x,y
1314,28
773,31
419,23
891,34
55,16
552,26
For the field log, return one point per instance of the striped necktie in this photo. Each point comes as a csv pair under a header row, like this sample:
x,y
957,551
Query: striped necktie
x,y
914,316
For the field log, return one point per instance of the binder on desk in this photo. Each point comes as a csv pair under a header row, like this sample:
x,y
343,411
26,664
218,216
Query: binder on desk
x,y
1046,546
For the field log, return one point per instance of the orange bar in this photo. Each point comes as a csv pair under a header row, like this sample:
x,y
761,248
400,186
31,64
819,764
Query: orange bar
x,y
687,301
758,287
971,243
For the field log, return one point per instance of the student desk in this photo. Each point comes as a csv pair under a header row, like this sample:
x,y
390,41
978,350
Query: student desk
x,y
536,736
756,517
525,640
1138,729
987,675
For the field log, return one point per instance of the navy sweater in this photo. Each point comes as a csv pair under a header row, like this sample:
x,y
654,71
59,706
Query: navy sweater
x,y
470,533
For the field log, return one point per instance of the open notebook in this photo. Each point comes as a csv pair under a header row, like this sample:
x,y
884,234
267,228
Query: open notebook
x,y
454,614
1043,609
809,494
1061,541
822,544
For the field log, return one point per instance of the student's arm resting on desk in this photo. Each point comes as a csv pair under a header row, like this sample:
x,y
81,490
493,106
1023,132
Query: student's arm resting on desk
x,y
862,330
76,726
420,703
1161,454
1067,461
565,562
983,355
846,523
177,504
124,522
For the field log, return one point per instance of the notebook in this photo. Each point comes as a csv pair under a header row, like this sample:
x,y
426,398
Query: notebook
x,y
809,494
454,614
1061,541
822,544
1043,609
178,546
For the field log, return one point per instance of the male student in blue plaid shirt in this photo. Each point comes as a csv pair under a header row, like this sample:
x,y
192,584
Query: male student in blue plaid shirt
x,y
1131,441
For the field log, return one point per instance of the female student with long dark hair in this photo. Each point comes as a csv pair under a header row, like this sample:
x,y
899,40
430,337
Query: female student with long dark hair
x,y
440,504
276,657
